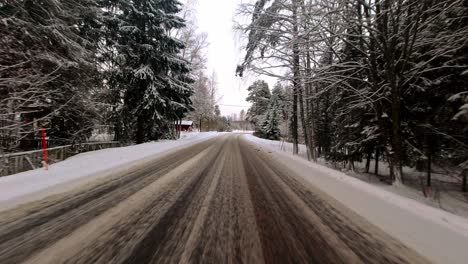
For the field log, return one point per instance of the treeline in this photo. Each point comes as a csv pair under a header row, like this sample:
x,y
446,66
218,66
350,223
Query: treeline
x,y
206,113
72,66
369,79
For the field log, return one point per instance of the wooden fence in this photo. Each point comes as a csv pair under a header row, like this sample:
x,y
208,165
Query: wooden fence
x,y
12,163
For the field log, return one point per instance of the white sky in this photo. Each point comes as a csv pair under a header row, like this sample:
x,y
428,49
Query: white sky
x,y
215,17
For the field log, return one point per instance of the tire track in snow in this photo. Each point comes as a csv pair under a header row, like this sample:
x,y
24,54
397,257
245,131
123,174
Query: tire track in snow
x,y
219,201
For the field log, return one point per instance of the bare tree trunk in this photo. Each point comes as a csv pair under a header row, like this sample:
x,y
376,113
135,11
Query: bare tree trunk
x,y
368,159
310,110
296,73
303,122
180,128
309,127
396,135
140,132
429,161
376,168
465,174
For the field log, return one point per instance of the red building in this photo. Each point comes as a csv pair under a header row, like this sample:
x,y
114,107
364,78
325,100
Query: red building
x,y
185,126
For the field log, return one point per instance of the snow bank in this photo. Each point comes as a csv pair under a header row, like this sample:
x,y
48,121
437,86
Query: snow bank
x,y
243,131
85,165
279,145
434,233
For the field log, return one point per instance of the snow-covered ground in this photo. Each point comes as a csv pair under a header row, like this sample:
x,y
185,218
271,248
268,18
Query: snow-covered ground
x,y
437,234
447,200
31,185
243,131
440,235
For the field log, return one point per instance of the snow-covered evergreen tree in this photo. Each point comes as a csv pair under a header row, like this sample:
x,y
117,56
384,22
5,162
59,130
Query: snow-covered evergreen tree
x,y
378,79
149,77
281,93
270,125
259,96
47,70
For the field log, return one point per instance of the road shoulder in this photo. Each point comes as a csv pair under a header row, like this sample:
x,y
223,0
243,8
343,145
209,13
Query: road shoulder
x,y
438,235
84,169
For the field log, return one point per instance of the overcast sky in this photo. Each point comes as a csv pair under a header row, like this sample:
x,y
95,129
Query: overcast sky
x,y
215,17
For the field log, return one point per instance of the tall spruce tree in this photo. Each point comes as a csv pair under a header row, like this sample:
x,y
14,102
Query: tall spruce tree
x,y
259,96
149,78
47,69
270,125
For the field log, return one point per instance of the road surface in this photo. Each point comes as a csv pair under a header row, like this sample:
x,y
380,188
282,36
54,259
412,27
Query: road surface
x,y
218,201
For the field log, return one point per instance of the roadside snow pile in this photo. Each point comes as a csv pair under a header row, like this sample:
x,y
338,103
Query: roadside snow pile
x,y
279,145
188,134
88,164
437,234
243,131
443,198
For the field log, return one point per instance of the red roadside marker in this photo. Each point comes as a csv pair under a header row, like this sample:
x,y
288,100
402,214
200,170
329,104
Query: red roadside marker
x,y
44,150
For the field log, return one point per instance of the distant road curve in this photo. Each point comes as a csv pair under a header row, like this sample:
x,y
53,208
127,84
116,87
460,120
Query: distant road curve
x,y
218,201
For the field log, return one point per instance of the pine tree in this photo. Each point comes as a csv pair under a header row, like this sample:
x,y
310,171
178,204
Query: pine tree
x,y
47,69
259,96
283,105
150,79
270,125
434,131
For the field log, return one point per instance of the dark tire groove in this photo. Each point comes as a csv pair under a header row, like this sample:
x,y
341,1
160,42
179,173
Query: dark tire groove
x,y
286,236
219,201
146,250
367,247
36,231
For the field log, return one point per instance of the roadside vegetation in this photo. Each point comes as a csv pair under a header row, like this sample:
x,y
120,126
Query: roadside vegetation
x,y
130,70
362,80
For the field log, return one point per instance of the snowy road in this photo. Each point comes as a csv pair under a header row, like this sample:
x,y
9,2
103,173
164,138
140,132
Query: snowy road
x,y
222,200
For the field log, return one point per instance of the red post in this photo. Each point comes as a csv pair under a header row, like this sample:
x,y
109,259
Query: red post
x,y
44,150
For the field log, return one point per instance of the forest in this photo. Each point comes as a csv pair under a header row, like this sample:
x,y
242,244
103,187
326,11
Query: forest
x,y
357,80
361,80
131,69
